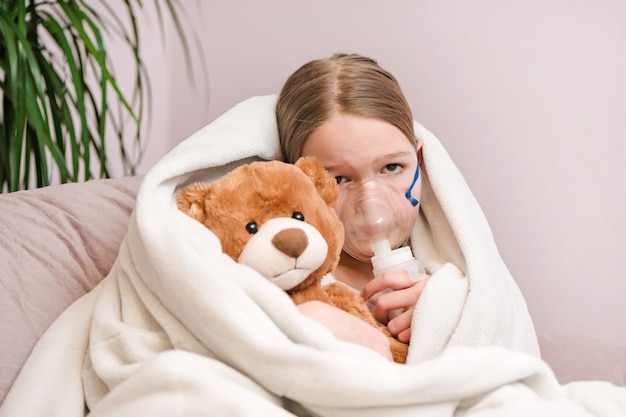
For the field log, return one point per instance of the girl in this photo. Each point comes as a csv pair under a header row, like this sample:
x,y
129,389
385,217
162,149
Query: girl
x,y
352,115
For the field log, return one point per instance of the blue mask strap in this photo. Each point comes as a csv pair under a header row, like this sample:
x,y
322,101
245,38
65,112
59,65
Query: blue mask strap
x,y
408,192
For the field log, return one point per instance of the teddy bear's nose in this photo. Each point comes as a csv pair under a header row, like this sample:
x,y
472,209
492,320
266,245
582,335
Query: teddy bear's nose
x,y
291,242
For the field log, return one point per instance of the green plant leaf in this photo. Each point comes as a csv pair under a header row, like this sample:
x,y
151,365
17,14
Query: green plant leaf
x,y
55,76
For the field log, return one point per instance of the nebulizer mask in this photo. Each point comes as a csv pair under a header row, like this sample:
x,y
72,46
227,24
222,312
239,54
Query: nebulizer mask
x,y
378,223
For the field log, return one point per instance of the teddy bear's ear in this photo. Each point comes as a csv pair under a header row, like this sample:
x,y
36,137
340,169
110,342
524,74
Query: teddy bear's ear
x,y
190,200
326,185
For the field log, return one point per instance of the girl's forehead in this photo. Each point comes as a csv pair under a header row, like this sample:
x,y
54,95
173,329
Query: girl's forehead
x,y
348,140
345,131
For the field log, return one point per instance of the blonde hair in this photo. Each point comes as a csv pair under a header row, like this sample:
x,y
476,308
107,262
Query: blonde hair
x,y
347,83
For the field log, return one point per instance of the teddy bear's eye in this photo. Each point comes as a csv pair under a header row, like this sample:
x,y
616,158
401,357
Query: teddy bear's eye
x,y
298,216
252,228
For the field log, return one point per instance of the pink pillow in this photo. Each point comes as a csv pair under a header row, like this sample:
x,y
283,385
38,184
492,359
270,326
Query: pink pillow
x,y
56,244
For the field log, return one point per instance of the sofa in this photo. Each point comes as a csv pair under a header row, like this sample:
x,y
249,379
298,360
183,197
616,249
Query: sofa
x,y
58,242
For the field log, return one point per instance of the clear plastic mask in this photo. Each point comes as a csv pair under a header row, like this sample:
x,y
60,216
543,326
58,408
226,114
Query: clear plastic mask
x,y
374,210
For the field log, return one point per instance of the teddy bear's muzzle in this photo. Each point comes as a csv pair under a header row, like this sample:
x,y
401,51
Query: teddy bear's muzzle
x,y
285,251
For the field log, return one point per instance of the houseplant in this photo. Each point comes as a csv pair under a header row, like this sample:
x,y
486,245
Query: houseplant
x,y
60,97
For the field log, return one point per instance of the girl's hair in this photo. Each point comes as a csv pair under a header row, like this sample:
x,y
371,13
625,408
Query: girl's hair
x,y
347,83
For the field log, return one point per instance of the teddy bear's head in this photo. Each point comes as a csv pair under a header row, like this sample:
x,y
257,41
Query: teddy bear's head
x,y
275,217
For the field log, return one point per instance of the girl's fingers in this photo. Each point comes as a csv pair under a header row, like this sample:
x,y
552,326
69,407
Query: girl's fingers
x,y
405,335
395,280
401,323
403,299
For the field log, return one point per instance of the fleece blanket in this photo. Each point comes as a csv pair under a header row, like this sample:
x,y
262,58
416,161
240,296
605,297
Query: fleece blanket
x,y
178,328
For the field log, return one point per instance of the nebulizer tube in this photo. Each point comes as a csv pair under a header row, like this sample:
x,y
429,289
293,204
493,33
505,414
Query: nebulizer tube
x,y
373,222
386,258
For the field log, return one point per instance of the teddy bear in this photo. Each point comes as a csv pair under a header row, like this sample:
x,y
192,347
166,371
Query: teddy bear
x,y
279,219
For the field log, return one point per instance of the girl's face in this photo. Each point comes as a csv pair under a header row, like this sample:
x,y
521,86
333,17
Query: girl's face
x,y
372,161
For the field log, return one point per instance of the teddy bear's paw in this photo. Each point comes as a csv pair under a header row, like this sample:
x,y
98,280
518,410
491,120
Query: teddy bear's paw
x,y
399,350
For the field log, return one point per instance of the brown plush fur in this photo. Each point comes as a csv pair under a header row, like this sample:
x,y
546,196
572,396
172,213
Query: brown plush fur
x,y
262,191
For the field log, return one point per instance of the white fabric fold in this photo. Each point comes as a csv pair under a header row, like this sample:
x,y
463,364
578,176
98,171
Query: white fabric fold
x,y
178,328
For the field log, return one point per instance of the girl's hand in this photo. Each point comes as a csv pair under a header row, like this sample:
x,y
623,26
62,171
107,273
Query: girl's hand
x,y
404,296
347,327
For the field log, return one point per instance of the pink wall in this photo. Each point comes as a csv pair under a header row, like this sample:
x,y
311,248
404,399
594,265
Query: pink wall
x,y
528,97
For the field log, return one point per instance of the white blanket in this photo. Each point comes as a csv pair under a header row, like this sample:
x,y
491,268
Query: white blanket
x,y
178,328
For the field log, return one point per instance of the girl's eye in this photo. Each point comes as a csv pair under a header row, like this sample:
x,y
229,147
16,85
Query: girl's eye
x,y
298,216
252,228
392,168
340,179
